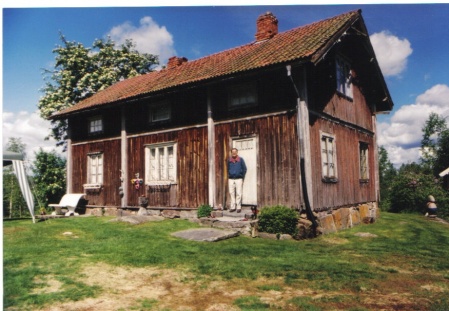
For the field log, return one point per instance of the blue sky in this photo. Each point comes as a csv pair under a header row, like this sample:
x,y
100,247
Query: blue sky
x,y
411,43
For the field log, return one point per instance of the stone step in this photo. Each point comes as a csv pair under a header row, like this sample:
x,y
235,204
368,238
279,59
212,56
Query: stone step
x,y
245,213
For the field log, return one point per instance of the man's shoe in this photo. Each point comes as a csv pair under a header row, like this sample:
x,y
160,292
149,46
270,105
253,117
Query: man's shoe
x,y
232,210
239,210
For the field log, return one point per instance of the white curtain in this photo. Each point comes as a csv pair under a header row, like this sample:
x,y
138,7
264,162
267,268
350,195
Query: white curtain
x,y
19,170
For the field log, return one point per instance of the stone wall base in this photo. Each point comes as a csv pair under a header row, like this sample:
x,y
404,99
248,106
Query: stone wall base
x,y
347,217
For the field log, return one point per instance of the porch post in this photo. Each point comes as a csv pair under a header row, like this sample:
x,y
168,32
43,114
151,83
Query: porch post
x,y
69,165
124,159
304,134
211,151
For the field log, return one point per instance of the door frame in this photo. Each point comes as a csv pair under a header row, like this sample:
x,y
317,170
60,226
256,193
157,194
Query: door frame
x,y
255,137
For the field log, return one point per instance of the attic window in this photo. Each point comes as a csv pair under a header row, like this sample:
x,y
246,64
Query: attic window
x,y
95,125
244,95
160,111
344,77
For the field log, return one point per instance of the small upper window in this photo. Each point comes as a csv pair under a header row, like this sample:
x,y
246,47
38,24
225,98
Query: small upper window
x,y
95,125
344,77
160,111
242,96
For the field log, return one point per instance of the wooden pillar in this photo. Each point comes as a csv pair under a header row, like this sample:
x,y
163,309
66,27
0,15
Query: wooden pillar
x,y
376,160
304,134
69,165
124,159
211,151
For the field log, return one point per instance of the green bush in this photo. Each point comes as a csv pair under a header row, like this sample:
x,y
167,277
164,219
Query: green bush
x,y
406,198
204,211
278,219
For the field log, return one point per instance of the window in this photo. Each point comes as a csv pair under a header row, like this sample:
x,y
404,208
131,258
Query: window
x,y
94,170
364,168
160,112
160,164
243,96
328,158
95,125
344,77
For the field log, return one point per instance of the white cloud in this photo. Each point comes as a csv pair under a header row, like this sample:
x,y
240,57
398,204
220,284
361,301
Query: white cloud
x,y
32,130
402,136
149,37
391,52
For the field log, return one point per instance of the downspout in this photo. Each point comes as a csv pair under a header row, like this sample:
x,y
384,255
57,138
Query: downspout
x,y
304,152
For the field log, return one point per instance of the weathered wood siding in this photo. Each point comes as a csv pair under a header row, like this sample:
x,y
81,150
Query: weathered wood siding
x,y
278,166
109,195
349,189
191,188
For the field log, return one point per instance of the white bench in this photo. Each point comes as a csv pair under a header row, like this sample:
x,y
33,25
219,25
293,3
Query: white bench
x,y
69,201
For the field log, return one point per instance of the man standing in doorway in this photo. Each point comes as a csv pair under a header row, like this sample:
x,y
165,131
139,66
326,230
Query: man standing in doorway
x,y
236,175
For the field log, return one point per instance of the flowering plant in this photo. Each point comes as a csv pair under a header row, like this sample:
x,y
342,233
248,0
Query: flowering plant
x,y
137,182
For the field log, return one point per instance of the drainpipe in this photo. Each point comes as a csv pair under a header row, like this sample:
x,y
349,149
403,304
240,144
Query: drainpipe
x,y
304,145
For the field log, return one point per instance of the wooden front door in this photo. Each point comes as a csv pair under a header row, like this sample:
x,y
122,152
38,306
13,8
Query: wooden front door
x,y
247,148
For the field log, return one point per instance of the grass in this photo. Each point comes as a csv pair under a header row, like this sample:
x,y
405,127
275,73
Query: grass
x,y
409,251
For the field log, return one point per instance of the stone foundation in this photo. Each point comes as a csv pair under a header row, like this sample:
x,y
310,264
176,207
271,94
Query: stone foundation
x,y
347,217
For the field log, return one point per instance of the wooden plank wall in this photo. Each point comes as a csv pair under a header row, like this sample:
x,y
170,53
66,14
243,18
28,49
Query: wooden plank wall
x,y
191,189
278,166
348,190
111,152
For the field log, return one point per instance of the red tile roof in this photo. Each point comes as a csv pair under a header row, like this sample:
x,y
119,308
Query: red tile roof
x,y
302,43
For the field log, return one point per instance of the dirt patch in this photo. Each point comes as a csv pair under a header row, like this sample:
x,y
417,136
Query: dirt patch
x,y
125,288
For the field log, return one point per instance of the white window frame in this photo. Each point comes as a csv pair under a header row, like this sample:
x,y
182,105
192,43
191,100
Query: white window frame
x,y
364,163
343,77
242,96
155,111
95,170
328,157
160,164
96,125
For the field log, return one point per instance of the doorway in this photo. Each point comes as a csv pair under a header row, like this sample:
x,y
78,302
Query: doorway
x,y
247,148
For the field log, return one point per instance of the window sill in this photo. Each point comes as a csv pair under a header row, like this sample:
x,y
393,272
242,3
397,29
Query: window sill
x,y
348,98
364,181
92,187
329,180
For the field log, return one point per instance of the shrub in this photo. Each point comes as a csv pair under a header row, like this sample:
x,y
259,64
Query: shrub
x,y
278,219
204,211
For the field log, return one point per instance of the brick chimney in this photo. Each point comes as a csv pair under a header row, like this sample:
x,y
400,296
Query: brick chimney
x,y
175,61
267,26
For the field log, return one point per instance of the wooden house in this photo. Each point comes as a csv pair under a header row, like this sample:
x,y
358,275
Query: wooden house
x,y
299,105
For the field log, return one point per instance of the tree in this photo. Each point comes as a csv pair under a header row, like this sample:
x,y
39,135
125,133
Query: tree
x,y
433,144
387,174
80,72
13,202
49,177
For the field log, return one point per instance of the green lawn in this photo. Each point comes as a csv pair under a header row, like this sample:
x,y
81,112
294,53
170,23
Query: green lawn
x,y
409,256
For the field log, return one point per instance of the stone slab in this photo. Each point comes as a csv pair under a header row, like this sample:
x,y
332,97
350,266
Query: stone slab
x,y
136,220
205,234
